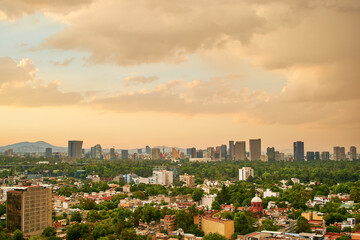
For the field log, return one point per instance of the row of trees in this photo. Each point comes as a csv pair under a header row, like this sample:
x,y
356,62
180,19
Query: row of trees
x,y
329,172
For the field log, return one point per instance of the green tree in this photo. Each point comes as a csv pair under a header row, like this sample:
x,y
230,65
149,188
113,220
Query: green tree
x,y
344,237
332,229
49,231
215,205
242,223
17,235
150,214
214,236
184,220
92,216
269,225
77,231
197,194
76,217
302,225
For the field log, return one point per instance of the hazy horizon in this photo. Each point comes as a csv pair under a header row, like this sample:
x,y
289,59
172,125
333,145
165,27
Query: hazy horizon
x,y
180,73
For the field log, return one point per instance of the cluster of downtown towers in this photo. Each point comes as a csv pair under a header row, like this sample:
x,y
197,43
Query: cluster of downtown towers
x,y
236,151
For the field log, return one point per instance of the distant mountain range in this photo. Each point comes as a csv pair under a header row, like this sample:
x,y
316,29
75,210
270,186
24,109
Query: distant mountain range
x,y
40,146
31,147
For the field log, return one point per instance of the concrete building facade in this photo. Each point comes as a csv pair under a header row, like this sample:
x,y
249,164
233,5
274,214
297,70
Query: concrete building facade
x,y
255,149
240,151
74,149
245,173
29,209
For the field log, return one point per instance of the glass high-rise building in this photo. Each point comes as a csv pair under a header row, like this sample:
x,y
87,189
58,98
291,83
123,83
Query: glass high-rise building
x,y
74,149
231,150
299,151
255,149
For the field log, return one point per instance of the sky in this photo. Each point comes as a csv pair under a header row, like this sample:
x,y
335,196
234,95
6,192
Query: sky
x,y
180,73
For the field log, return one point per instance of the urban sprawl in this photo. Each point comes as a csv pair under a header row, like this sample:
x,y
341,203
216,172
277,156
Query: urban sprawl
x,y
222,192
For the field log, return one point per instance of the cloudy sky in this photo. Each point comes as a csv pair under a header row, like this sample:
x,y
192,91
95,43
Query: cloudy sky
x,y
180,73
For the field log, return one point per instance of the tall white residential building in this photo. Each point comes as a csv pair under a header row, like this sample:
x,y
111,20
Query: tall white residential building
x,y
163,177
245,173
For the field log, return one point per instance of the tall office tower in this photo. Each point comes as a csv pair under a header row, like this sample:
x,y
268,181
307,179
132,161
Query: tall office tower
x,y
255,149
148,149
97,152
277,156
217,154
139,151
317,156
74,149
192,152
310,156
124,154
245,173
240,151
339,153
299,151
353,153
155,154
48,152
29,209
270,152
223,152
325,156
231,150
112,153
200,154
210,153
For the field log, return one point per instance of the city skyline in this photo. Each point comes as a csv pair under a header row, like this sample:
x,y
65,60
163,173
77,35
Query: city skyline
x,y
180,73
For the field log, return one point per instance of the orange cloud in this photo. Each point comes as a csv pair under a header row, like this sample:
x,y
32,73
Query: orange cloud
x,y
20,87
134,80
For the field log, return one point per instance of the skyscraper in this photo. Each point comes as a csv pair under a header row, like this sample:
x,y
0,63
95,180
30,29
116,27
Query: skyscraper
x,y
48,152
74,149
97,152
299,151
155,154
124,154
148,149
29,209
112,153
223,152
270,152
325,156
310,156
317,156
139,151
353,153
231,150
240,151
192,152
339,153
255,149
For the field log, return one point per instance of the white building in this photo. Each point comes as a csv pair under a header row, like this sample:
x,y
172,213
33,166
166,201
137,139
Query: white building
x,y
207,200
295,180
269,193
163,177
245,173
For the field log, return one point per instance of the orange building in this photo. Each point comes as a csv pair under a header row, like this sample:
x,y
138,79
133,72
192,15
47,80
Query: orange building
x,y
209,224
188,179
169,223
